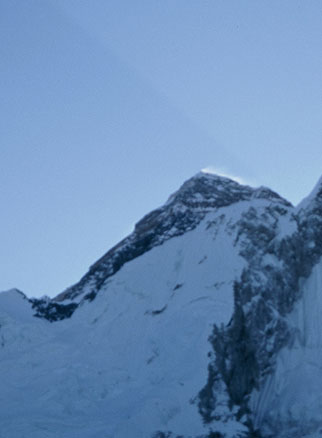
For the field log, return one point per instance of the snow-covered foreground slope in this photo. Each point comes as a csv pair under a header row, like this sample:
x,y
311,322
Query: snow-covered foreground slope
x,y
205,322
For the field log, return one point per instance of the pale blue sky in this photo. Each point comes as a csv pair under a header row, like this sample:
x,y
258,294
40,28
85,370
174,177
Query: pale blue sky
x,y
107,106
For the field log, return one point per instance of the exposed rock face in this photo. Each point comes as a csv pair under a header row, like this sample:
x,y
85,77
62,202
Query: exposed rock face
x,y
228,274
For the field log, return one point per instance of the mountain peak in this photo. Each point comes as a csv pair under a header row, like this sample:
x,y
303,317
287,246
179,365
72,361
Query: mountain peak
x,y
214,333
184,210
209,190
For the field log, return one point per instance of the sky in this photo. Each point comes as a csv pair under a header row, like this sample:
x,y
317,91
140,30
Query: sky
x,y
108,106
